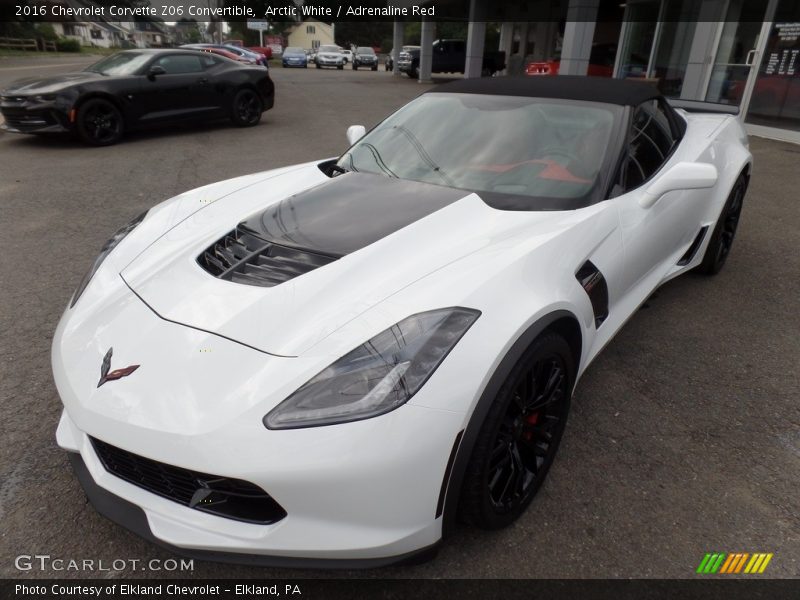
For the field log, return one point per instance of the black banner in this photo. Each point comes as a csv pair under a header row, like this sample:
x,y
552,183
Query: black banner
x,y
495,11
368,589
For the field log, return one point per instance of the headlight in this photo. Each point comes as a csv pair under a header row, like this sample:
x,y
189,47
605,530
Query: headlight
x,y
105,251
45,98
378,376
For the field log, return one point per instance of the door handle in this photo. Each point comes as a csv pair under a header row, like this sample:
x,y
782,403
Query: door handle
x,y
750,58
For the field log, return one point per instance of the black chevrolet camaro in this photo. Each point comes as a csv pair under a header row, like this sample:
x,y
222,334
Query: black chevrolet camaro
x,y
135,89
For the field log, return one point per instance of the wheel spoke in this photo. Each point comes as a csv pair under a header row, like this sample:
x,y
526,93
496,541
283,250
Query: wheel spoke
x,y
527,434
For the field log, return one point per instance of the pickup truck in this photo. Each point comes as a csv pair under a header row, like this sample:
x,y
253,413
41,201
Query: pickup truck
x,y
449,56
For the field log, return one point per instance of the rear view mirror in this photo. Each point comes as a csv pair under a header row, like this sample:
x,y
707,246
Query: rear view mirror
x,y
682,176
155,70
355,133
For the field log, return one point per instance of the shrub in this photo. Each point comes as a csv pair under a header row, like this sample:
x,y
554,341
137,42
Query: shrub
x,y
68,45
46,32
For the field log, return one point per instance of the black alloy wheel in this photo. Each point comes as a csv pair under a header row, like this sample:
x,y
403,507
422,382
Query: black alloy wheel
x,y
520,436
721,242
247,108
99,122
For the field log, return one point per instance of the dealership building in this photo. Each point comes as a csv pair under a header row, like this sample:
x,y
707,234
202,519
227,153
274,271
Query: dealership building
x,y
738,52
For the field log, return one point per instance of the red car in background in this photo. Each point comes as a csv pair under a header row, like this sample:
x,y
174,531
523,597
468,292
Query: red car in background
x,y
220,52
601,63
265,50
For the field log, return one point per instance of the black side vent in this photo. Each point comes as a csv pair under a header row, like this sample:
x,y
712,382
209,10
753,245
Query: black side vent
x,y
243,257
687,258
593,282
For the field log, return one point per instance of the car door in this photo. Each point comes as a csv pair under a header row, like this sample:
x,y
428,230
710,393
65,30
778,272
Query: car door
x,y
181,91
654,235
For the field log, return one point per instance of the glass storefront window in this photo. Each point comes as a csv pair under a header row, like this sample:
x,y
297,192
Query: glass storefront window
x,y
737,44
775,100
642,19
678,23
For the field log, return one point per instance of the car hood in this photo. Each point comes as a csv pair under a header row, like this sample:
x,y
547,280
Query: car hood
x,y
379,235
49,85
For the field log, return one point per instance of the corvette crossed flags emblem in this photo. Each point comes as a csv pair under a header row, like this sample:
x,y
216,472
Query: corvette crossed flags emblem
x,y
116,373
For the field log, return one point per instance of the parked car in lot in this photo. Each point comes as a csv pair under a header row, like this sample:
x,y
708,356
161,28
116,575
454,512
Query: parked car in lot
x,y
450,56
221,51
135,89
294,57
329,56
601,62
404,58
265,50
388,340
348,56
226,50
365,57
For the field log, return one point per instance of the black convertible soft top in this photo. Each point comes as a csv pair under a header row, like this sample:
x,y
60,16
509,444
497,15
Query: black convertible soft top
x,y
572,87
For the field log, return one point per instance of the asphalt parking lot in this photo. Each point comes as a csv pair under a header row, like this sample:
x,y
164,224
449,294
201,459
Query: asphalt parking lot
x,y
684,436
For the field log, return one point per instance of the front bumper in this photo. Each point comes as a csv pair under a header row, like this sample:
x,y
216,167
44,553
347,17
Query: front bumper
x,y
330,62
33,120
347,503
369,489
134,519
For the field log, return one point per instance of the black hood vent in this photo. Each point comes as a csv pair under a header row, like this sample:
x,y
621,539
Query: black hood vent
x,y
242,256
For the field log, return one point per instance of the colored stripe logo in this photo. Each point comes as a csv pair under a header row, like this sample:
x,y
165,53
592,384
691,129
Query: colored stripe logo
x,y
737,562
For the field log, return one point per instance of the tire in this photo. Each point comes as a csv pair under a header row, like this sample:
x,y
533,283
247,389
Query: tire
x,y
246,108
340,67
375,68
519,438
355,67
99,122
387,67
318,66
414,72
721,242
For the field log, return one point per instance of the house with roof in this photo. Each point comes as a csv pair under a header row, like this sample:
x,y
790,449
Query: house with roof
x,y
310,34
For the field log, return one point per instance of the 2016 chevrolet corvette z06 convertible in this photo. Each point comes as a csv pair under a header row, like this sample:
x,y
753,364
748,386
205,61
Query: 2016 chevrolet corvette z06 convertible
x,y
136,89
330,363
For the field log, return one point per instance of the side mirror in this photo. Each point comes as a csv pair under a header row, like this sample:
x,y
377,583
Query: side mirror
x,y
683,176
355,133
155,70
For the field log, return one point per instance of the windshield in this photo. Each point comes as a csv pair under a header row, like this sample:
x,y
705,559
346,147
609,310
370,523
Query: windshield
x,y
365,51
329,49
525,147
124,63
291,50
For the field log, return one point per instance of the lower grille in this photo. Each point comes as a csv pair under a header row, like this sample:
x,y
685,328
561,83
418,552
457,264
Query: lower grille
x,y
22,119
243,257
222,496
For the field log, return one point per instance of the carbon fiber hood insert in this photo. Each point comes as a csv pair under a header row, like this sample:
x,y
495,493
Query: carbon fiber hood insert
x,y
315,227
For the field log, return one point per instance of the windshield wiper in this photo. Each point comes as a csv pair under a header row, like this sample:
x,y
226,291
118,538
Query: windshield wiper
x,y
335,168
415,143
379,160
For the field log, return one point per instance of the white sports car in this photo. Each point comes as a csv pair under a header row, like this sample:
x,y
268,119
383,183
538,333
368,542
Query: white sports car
x,y
329,364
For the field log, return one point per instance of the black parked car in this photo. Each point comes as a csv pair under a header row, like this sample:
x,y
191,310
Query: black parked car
x,y
365,56
135,89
